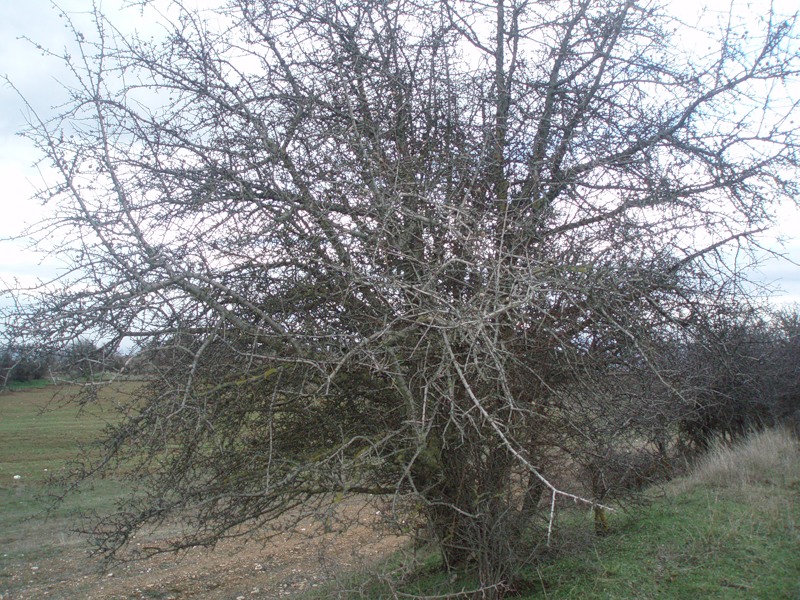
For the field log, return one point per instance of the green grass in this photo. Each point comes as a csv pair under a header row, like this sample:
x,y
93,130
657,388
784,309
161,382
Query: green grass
x,y
39,434
704,544
729,530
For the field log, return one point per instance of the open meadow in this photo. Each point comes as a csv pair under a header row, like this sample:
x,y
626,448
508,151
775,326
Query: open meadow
x,y
731,529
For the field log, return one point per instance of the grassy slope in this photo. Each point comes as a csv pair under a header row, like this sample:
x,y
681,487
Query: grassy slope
x,y
731,529
703,544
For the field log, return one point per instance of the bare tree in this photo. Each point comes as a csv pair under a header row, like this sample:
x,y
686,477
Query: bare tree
x,y
396,248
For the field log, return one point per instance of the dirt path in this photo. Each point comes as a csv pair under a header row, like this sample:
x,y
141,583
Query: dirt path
x,y
234,570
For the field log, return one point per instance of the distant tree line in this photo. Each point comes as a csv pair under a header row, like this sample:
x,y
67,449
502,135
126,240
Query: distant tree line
x,y
20,363
82,359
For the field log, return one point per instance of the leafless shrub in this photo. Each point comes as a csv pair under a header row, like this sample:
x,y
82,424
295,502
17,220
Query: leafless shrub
x,y
737,374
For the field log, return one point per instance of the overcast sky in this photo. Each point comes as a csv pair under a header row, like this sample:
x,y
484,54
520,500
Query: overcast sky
x,y
37,77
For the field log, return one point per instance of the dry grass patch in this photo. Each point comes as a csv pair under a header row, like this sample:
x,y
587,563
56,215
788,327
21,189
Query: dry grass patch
x,y
770,456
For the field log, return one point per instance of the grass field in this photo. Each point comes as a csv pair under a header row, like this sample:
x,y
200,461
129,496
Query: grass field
x,y
39,432
38,436
731,529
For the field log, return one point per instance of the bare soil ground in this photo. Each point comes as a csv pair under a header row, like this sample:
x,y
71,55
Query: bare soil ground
x,y
279,567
